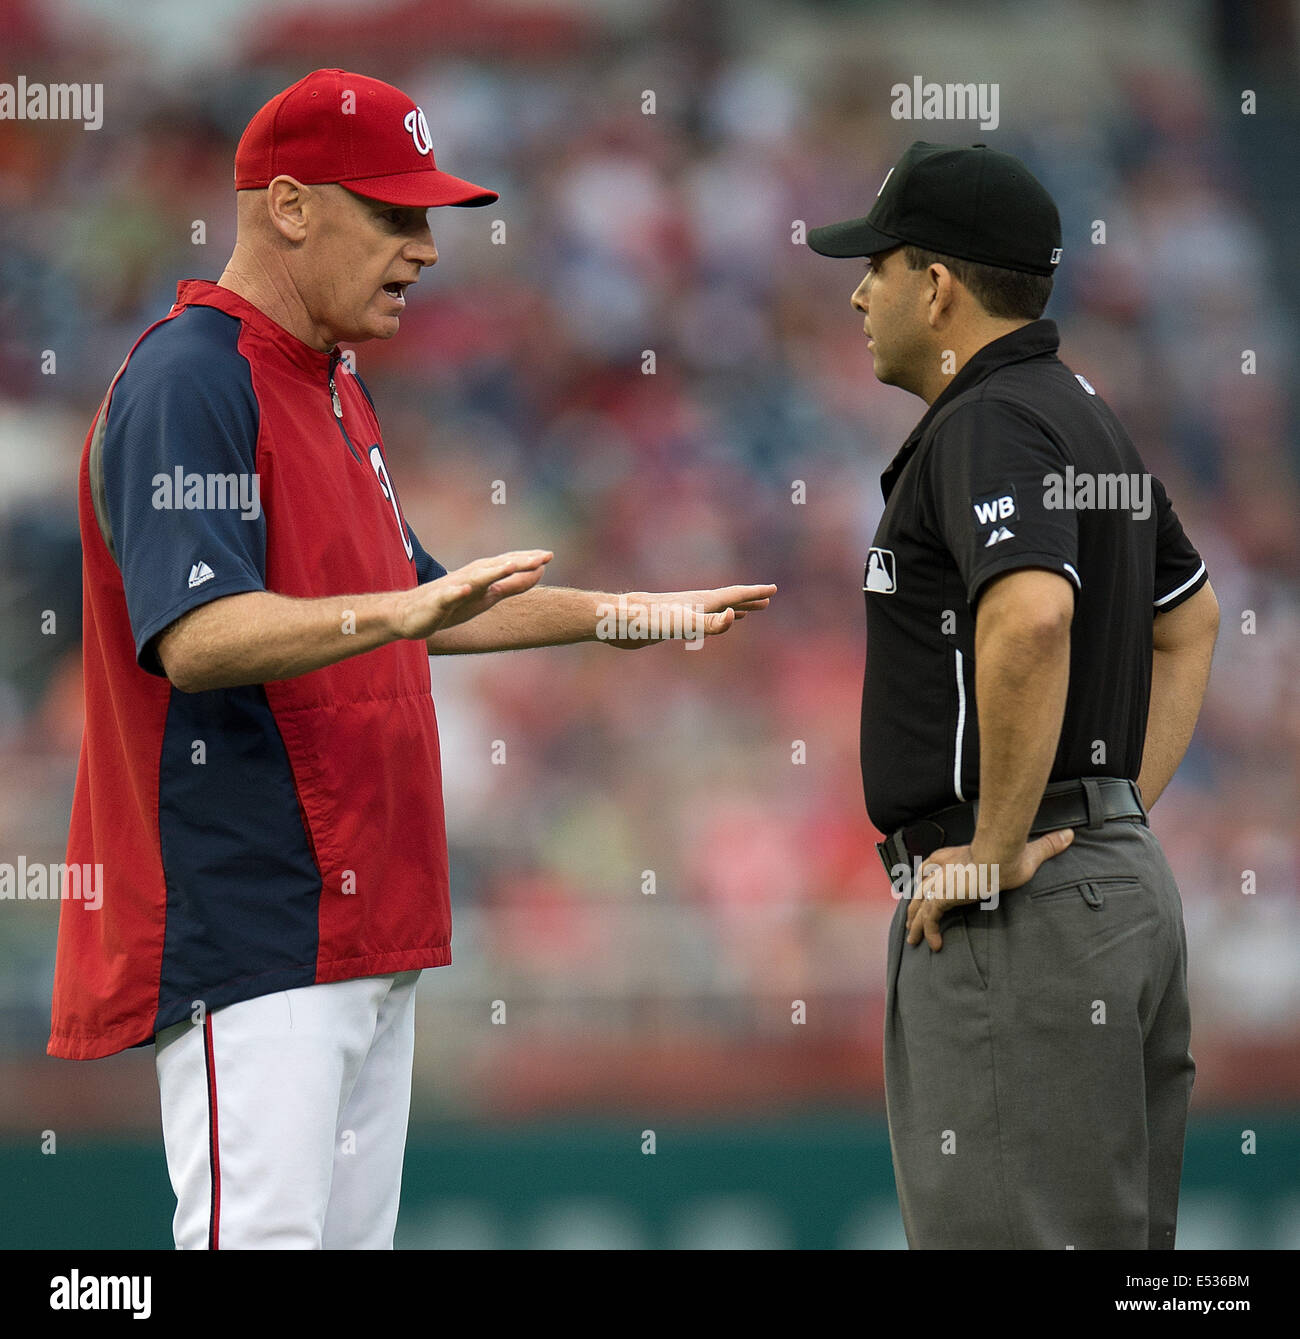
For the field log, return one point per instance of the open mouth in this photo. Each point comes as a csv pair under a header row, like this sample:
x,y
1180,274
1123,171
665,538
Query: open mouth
x,y
397,291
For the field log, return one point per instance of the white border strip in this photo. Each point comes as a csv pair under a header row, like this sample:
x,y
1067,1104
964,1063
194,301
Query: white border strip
x,y
961,727
1196,576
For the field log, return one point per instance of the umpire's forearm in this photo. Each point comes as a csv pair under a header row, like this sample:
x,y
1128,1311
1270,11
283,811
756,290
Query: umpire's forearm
x,y
543,616
1177,686
1022,673
1180,671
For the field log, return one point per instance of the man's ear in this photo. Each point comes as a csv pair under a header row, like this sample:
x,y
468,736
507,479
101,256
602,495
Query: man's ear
x,y
943,293
286,207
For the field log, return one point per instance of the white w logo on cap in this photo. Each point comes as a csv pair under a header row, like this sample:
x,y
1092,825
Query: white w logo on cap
x,y
419,129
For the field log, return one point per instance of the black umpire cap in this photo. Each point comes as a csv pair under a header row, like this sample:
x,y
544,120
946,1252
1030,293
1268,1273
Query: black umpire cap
x,y
974,204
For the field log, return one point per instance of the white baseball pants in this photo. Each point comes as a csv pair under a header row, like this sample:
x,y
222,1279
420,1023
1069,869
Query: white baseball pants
x,y
284,1117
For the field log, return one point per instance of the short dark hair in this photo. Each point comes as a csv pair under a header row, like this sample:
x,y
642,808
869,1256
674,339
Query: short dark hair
x,y
1011,294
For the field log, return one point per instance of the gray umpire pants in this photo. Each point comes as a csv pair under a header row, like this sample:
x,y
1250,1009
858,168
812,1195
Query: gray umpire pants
x,y
1037,1072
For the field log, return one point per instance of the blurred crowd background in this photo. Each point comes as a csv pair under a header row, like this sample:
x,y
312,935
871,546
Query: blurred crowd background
x,y
669,225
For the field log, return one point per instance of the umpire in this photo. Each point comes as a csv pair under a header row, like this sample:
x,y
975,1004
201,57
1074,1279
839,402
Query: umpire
x,y
1039,636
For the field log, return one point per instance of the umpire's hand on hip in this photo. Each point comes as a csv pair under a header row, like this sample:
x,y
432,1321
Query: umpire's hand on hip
x,y
953,877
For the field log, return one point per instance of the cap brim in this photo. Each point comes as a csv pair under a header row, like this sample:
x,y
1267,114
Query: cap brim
x,y
422,190
854,237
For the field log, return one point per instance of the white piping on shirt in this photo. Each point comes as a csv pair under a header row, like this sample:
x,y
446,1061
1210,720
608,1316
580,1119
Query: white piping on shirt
x,y
1164,599
961,727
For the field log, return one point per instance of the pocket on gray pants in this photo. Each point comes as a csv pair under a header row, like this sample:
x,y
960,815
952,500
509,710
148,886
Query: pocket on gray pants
x,y
1094,892
967,927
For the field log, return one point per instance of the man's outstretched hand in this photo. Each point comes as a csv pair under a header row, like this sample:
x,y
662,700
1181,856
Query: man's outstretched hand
x,y
641,618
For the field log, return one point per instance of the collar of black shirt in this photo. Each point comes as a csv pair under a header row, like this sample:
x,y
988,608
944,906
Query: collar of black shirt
x,y
1029,341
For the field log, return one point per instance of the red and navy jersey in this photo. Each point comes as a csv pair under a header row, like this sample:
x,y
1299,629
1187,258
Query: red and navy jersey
x,y
258,838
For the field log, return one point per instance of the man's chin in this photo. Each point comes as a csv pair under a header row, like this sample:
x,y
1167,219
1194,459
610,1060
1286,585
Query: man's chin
x,y
379,327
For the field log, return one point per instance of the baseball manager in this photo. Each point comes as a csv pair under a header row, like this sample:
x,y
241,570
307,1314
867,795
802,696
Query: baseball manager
x,y
260,775
1039,636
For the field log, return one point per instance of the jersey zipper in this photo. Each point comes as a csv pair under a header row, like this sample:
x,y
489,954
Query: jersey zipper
x,y
337,405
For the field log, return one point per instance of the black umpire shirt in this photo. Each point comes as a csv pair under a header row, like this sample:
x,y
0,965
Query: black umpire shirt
x,y
1018,463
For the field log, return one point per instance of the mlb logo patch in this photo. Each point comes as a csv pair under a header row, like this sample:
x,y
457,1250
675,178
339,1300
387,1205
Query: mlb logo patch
x,y
878,576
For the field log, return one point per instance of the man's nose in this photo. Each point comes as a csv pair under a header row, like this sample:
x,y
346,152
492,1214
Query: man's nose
x,y
859,298
423,252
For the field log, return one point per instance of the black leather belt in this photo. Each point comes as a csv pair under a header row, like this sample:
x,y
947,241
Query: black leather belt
x,y
1066,804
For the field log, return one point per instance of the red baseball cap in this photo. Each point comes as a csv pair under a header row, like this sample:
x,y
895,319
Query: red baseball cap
x,y
337,127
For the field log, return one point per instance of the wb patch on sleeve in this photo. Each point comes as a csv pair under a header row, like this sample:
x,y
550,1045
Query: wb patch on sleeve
x,y
995,509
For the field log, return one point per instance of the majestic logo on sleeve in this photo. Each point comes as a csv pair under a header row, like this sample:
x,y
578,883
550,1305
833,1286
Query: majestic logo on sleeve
x,y
879,575
418,128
